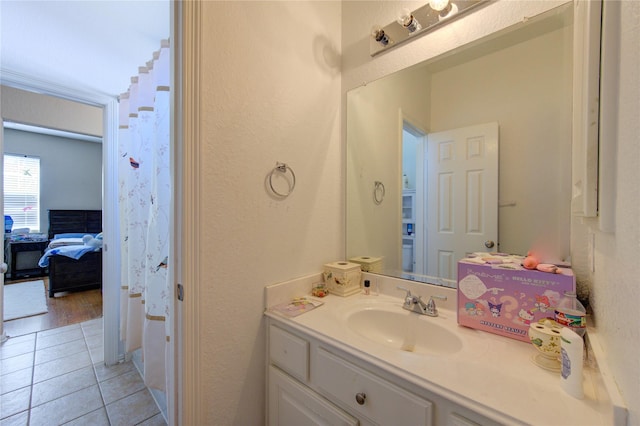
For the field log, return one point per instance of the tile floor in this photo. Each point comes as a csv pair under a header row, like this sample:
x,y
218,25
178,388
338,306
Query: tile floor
x,y
57,377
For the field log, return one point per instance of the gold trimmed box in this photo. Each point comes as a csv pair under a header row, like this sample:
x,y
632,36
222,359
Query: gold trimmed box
x,y
342,278
368,263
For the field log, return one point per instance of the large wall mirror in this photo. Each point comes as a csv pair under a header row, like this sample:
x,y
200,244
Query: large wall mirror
x,y
506,99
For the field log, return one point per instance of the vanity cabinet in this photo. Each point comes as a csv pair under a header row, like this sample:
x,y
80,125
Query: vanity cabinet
x,y
314,382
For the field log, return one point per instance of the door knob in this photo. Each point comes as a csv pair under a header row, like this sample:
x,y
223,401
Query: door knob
x,y
360,398
489,244
3,268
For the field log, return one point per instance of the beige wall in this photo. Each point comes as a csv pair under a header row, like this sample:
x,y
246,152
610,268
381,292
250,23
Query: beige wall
x,y
35,109
270,80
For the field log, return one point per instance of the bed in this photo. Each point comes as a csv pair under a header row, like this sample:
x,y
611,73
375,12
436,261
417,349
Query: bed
x,y
67,273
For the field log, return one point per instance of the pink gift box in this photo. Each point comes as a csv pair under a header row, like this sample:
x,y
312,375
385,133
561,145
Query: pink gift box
x,y
505,298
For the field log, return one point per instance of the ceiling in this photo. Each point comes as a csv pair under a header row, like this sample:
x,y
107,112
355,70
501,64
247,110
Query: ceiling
x,y
91,46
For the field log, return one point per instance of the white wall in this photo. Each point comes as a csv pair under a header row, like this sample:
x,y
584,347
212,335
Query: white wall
x,y
270,91
70,170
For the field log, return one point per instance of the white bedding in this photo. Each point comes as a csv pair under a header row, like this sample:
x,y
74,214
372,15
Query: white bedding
x,y
59,242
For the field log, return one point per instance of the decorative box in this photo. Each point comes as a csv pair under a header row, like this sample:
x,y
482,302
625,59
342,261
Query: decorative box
x,y
368,263
506,298
342,278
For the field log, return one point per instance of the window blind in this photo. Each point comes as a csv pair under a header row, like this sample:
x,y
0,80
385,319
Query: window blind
x,y
22,191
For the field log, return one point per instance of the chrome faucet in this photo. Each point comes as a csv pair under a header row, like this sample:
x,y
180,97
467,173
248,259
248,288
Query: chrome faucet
x,y
416,304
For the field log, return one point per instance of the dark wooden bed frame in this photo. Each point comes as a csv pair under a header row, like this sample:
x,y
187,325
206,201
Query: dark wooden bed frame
x,y
65,273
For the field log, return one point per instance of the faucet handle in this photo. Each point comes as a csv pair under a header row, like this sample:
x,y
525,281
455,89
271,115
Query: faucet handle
x,y
408,296
431,305
404,289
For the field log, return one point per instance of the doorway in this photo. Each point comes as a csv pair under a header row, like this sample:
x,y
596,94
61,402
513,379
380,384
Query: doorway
x,y
46,169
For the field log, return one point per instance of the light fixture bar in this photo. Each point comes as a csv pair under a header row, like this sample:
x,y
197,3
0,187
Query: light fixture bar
x,y
395,33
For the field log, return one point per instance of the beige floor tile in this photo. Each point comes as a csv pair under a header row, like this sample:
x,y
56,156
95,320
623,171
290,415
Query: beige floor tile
x,y
97,354
92,323
20,419
58,330
15,363
19,339
156,420
67,408
121,386
16,380
15,402
92,331
105,373
94,341
133,409
94,418
60,351
60,366
62,385
15,349
58,338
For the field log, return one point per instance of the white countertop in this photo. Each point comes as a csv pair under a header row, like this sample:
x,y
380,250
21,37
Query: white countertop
x,y
491,374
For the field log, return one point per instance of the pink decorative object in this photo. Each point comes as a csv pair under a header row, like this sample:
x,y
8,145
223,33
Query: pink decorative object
x,y
530,262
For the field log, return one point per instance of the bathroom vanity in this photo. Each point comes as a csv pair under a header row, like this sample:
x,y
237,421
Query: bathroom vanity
x,y
363,360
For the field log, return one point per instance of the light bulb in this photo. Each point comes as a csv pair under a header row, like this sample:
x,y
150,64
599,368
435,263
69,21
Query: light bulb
x,y
379,35
438,5
407,20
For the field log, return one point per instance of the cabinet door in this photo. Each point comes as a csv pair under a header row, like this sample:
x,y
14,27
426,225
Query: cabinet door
x,y
292,404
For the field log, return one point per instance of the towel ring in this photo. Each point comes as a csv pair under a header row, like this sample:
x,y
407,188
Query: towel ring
x,y
378,192
282,168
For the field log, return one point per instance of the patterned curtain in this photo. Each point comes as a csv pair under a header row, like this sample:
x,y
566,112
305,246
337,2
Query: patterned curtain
x,y
144,207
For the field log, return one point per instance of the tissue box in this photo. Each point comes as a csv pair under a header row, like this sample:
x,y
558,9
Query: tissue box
x,y
368,263
506,298
342,278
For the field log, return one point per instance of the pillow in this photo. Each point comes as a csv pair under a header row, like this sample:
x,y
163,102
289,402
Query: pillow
x,y
88,240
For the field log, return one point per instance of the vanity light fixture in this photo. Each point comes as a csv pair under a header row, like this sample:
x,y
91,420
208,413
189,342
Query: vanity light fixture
x,y
409,25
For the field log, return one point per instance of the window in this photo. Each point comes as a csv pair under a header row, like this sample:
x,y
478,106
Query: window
x,y
22,191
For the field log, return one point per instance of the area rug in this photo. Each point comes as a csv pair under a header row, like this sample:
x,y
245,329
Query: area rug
x,y
24,300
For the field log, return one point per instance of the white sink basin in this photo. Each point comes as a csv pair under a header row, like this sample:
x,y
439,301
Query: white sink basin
x,y
404,330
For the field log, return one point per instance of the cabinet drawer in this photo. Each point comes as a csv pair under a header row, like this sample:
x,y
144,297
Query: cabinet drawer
x,y
368,395
289,352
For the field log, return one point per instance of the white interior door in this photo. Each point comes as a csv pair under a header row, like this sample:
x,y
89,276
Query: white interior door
x,y
462,196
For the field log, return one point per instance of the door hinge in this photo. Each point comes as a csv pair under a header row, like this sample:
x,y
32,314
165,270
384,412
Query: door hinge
x,y
180,292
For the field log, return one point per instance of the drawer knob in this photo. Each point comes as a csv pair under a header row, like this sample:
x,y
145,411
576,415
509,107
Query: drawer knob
x,y
360,398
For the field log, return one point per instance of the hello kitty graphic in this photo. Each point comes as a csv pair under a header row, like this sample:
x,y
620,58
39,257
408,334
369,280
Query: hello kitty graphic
x,y
525,316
